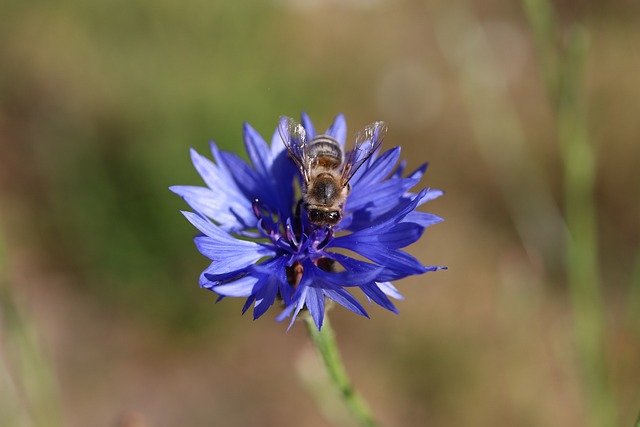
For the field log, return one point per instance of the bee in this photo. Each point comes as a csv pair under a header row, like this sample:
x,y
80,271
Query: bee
x,y
325,169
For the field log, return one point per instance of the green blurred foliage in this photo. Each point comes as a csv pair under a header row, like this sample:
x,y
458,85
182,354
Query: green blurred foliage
x,y
101,100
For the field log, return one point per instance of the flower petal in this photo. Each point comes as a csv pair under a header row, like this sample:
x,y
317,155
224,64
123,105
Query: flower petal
x,y
431,194
297,302
211,174
273,188
230,207
257,150
400,235
381,195
357,272
376,294
423,218
338,129
245,177
377,171
277,145
391,273
232,211
320,279
390,290
247,303
315,303
230,256
230,252
345,299
242,287
308,126
394,259
266,296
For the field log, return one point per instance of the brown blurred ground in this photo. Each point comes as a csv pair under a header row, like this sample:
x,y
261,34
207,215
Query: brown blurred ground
x,y
100,101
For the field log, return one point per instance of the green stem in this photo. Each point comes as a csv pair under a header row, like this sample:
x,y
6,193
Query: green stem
x,y
582,245
325,342
563,68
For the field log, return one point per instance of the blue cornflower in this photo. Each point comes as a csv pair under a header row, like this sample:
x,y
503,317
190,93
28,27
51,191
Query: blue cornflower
x,y
263,246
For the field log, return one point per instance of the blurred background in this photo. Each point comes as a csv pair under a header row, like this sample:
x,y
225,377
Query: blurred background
x,y
527,112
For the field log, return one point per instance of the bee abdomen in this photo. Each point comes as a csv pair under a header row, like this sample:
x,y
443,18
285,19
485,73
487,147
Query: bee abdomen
x,y
326,151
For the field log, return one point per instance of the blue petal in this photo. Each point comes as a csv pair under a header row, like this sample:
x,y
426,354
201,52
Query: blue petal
x,y
319,279
397,173
242,287
286,291
376,294
245,177
231,253
390,274
277,145
379,242
390,290
231,256
377,171
283,171
423,218
315,303
207,227
231,210
357,272
345,299
248,303
211,174
383,194
391,258
214,278
348,278
308,126
311,292
384,223
299,298
209,277
338,129
266,295
260,285
431,194
275,271
297,302
257,150
404,208
270,267
400,235
419,172
228,178
286,312
273,188
223,201
203,281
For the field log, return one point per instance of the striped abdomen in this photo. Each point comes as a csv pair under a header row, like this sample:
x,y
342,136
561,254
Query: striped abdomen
x,y
325,152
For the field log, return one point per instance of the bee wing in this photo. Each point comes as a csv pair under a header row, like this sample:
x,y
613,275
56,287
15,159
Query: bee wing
x,y
294,138
368,140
